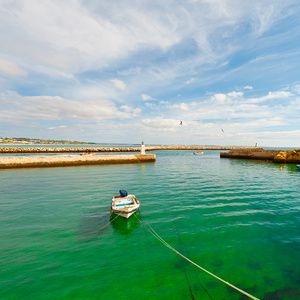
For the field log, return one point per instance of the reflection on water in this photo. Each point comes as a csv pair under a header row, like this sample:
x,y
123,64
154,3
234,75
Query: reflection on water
x,y
263,164
93,225
124,226
96,223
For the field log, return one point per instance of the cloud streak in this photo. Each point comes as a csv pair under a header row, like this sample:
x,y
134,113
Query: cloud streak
x,y
62,39
58,108
10,69
119,84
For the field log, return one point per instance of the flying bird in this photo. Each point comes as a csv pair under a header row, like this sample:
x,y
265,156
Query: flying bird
x,y
180,122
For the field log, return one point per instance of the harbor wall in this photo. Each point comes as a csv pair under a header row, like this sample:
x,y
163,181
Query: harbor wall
x,y
103,149
72,160
279,156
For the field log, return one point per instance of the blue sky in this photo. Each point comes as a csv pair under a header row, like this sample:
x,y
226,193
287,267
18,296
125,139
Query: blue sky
x,y
127,71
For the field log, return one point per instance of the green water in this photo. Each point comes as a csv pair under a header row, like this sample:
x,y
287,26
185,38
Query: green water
x,y
238,219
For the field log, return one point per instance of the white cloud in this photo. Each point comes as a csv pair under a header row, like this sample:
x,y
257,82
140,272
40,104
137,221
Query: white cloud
x,y
151,105
146,97
257,124
235,94
220,98
266,137
161,124
135,111
181,106
119,84
10,69
234,107
76,35
58,108
296,88
80,35
248,87
270,96
190,81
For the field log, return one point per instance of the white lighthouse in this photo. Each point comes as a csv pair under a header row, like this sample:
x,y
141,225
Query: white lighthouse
x,y
143,148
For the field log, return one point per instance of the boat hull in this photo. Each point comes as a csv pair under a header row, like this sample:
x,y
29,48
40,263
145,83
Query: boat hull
x,y
124,214
125,206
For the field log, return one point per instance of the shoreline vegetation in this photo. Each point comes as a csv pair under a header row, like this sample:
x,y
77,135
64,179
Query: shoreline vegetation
x,y
29,141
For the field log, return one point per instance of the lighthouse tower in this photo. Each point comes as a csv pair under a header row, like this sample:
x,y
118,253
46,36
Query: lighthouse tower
x,y
143,148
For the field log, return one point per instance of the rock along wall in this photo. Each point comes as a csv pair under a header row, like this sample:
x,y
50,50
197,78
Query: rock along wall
x,y
292,156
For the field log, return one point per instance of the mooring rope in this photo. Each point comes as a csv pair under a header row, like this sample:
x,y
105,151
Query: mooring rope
x,y
105,224
189,285
155,234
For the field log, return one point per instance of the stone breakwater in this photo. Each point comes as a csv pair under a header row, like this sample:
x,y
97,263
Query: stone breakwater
x,y
278,156
95,150
63,150
152,148
292,156
72,160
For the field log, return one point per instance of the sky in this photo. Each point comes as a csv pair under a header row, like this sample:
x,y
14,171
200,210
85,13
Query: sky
x,y
133,70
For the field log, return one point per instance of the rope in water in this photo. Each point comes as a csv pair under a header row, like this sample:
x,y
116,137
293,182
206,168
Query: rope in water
x,y
204,289
118,214
105,224
189,285
155,234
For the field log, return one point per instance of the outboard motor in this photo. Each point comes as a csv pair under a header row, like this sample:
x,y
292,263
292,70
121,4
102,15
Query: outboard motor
x,y
123,193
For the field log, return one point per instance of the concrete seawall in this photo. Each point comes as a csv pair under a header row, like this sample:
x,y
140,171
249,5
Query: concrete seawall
x,y
280,156
250,153
72,160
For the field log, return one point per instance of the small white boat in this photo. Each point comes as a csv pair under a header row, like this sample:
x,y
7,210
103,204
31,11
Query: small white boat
x,y
124,206
198,153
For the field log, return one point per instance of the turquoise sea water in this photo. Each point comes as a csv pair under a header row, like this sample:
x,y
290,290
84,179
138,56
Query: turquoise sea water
x,y
238,219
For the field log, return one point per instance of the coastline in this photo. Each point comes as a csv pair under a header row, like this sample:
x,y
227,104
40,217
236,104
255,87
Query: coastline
x,y
86,156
